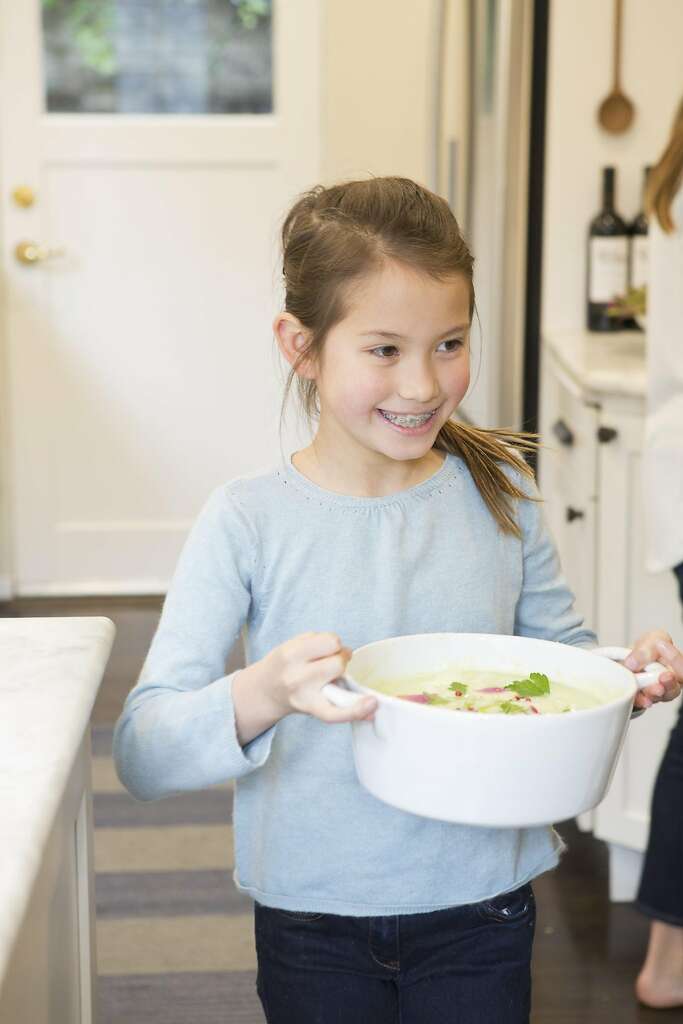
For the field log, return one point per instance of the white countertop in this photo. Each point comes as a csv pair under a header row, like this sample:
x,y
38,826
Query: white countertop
x,y
50,672
603,363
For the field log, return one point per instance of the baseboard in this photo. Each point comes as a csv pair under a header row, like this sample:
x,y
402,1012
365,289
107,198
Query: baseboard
x,y
93,588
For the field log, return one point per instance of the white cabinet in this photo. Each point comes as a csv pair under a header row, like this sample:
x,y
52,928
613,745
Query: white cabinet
x,y
592,419
568,480
50,671
51,973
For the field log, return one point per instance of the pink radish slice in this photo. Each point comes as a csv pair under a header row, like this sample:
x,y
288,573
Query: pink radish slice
x,y
492,689
418,698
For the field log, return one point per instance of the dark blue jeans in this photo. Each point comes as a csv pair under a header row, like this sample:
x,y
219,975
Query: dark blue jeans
x,y
467,964
661,885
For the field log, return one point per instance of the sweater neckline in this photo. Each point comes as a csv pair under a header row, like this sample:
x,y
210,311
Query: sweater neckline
x,y
290,475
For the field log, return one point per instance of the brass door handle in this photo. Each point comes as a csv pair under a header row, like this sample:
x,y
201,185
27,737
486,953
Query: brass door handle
x,y
31,253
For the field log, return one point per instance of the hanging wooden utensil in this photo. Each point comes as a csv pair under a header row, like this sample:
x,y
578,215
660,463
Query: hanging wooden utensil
x,y
616,111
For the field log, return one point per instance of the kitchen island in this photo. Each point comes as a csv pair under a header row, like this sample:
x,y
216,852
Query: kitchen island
x,y
50,672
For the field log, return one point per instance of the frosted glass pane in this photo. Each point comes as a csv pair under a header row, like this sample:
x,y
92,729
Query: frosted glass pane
x,y
157,56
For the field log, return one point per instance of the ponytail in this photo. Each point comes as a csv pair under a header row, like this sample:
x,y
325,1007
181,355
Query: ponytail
x,y
486,453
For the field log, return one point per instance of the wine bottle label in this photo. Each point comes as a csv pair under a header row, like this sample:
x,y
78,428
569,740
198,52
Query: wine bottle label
x,y
608,268
639,261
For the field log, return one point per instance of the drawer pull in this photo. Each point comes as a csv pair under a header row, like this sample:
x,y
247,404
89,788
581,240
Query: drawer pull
x,y
574,513
607,434
563,433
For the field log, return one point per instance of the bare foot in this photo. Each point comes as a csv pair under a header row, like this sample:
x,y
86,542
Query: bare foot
x,y
660,982
659,993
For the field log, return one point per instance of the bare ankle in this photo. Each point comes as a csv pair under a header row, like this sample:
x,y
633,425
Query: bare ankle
x,y
665,949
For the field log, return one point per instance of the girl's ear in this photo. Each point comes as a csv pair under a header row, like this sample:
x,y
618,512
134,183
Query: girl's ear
x,y
292,338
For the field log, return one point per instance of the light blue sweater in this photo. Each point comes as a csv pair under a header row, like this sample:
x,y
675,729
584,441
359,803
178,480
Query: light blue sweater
x,y
283,556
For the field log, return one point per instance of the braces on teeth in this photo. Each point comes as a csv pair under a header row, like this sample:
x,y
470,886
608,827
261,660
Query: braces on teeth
x,y
407,421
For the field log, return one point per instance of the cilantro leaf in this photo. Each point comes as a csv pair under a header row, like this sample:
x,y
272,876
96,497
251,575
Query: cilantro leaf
x,y
460,687
535,685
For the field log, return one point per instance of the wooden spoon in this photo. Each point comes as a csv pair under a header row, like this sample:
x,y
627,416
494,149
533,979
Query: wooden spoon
x,y
616,111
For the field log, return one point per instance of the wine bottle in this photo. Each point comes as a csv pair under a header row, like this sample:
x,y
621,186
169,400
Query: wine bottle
x,y
638,230
607,260
638,253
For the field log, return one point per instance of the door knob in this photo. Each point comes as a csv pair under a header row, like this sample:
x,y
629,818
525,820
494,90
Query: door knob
x,y
23,195
31,253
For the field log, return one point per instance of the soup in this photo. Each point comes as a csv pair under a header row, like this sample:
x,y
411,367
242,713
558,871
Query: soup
x,y
491,693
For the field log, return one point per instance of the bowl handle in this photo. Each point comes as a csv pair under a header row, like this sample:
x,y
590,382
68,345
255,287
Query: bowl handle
x,y
649,676
340,697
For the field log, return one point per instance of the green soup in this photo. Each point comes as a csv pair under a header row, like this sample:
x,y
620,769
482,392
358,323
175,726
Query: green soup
x,y
491,693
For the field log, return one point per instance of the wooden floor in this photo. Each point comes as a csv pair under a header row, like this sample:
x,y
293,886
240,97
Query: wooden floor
x,y
587,951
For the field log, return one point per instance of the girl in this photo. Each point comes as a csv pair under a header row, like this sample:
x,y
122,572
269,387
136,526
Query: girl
x,y
394,520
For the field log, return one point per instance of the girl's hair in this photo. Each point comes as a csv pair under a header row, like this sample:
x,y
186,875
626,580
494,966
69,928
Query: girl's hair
x,y
665,177
334,237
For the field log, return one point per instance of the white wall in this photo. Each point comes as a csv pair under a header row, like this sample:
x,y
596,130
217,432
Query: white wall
x,y
579,77
377,76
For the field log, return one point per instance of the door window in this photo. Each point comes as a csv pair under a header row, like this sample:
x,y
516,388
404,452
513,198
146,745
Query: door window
x,y
157,56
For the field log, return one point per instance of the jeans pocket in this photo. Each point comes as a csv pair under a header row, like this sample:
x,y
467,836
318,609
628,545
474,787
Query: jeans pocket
x,y
297,915
510,907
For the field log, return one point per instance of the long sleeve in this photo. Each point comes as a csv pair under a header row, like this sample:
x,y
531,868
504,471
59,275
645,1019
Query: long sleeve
x,y
177,729
545,608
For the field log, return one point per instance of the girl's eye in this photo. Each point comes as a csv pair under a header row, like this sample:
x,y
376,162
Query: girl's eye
x,y
381,351
455,343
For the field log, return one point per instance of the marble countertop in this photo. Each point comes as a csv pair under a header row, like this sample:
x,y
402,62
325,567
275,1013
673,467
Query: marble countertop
x,y
602,363
50,672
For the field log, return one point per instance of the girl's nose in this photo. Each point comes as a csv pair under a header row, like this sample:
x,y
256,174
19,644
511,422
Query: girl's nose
x,y
418,385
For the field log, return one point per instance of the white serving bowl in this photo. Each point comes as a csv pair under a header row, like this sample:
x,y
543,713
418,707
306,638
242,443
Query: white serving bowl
x,y
482,769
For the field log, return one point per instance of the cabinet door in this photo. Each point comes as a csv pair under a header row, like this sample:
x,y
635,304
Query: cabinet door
x,y
630,601
51,974
567,478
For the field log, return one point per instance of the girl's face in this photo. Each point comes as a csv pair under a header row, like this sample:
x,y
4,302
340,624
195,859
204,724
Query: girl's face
x,y
394,370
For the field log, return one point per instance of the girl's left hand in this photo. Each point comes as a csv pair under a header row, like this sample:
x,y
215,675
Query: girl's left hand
x,y
657,646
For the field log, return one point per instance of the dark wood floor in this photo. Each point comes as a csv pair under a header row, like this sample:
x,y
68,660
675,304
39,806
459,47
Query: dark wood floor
x,y
587,950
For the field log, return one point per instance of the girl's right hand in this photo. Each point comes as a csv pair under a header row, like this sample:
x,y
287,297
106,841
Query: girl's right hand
x,y
298,669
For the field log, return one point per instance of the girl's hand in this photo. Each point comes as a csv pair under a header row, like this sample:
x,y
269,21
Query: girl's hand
x,y
657,646
298,669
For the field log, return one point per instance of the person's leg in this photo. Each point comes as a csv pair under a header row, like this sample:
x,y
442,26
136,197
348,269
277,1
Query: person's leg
x,y
319,969
660,895
469,964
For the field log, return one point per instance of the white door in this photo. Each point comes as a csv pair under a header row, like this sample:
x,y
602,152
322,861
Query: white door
x,y
140,369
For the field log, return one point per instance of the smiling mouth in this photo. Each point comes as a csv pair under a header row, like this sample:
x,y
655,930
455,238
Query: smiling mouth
x,y
407,420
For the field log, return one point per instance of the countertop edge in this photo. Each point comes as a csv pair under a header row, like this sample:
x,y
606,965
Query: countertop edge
x,y
603,364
